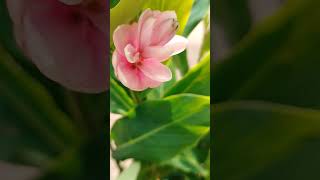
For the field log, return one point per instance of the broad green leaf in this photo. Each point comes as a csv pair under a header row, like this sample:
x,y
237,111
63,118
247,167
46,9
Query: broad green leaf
x,y
181,7
199,9
113,3
278,61
131,172
29,110
197,81
158,130
259,140
120,102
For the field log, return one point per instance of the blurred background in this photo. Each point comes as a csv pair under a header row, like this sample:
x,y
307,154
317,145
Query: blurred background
x,y
232,20
265,79
46,130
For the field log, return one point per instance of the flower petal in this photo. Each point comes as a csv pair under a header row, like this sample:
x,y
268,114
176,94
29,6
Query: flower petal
x,y
146,32
155,70
134,80
129,75
175,46
115,61
121,37
131,54
74,56
165,28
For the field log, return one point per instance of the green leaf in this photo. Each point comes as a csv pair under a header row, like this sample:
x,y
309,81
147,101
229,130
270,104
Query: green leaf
x,y
278,61
188,163
181,62
131,172
199,9
158,130
181,7
120,102
259,140
113,3
197,81
30,115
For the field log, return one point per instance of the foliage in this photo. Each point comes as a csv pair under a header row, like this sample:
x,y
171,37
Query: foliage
x,y
164,127
266,99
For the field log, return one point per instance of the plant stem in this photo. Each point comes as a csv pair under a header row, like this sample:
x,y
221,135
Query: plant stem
x,y
135,97
117,161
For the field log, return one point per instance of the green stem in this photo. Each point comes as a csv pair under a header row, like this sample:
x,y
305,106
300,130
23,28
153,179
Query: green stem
x,y
117,161
135,97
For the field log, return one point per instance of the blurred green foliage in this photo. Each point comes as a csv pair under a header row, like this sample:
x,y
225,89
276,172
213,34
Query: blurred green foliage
x,y
60,132
64,133
266,99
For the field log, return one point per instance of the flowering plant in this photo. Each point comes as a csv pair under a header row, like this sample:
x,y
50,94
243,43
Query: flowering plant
x,y
159,98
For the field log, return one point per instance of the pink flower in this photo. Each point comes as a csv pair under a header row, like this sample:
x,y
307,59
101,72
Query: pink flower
x,y
65,39
142,46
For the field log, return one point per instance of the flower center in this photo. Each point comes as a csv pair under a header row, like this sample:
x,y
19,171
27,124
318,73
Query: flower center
x,y
132,54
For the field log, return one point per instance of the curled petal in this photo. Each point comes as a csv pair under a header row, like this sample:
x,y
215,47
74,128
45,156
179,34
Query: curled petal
x,y
161,53
146,32
155,70
131,54
128,75
165,28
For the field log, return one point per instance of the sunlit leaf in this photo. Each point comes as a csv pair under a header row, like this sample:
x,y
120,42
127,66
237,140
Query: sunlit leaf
x,y
159,130
197,81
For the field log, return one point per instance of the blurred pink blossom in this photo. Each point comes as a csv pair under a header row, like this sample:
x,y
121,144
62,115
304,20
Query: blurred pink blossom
x,y
141,47
65,39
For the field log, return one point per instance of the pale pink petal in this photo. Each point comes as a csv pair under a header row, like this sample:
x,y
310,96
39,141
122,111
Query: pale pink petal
x,y
121,37
146,32
175,46
115,61
155,70
143,17
165,28
129,75
149,82
124,35
131,54
178,43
